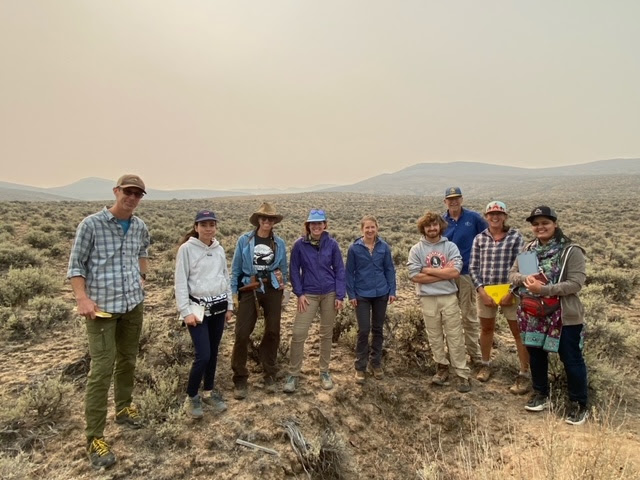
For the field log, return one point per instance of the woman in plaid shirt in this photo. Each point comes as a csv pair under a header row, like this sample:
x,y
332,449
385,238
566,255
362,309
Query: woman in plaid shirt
x,y
493,252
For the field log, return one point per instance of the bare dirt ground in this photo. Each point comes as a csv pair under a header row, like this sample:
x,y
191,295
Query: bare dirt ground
x,y
390,428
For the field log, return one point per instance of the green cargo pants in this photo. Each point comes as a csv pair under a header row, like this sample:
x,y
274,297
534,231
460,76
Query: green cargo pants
x,y
112,341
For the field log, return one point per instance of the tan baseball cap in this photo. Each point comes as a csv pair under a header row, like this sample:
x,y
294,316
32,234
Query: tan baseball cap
x,y
130,180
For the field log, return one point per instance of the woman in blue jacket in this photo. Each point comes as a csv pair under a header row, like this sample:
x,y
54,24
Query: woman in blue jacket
x,y
258,277
317,279
371,283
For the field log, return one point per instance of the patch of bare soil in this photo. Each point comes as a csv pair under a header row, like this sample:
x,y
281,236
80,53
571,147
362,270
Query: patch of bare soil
x,y
385,429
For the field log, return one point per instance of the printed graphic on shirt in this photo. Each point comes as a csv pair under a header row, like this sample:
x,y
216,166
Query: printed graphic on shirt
x,y
435,260
263,255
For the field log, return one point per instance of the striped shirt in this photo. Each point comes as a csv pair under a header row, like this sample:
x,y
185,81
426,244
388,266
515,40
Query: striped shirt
x,y
108,260
490,260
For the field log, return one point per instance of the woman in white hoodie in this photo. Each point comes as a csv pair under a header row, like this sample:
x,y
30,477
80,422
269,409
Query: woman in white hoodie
x,y
203,296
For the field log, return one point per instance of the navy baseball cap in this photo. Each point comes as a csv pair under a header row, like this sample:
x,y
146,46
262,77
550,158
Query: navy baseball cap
x,y
205,215
452,192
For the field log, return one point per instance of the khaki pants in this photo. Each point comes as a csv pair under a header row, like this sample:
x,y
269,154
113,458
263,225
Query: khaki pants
x,y
470,322
301,324
442,322
112,342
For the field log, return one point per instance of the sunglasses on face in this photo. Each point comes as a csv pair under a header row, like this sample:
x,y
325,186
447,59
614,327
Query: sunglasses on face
x,y
267,219
132,192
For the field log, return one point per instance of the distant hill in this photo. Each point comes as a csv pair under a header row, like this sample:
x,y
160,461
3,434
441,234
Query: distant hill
x,y
482,180
475,179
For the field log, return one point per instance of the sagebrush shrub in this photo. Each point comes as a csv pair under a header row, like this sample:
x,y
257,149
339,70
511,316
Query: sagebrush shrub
x,y
619,285
18,256
49,311
45,399
40,239
20,285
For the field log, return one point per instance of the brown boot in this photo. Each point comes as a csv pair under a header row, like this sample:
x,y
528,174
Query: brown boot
x,y
521,386
442,373
484,373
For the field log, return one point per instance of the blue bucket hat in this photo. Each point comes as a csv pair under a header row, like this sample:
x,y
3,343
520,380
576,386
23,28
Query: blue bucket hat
x,y
205,215
316,215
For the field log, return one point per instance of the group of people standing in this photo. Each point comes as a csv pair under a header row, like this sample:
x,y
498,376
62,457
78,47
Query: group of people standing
x,y
461,255
255,286
458,255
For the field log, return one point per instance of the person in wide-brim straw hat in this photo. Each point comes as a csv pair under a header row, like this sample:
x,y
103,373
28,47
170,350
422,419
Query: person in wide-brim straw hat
x,y
265,210
258,277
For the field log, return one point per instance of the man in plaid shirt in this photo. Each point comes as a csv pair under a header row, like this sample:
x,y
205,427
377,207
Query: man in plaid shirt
x,y
492,254
107,268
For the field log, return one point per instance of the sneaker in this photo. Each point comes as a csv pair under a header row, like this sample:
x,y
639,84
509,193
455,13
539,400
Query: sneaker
x,y
361,377
129,416
100,454
378,373
442,373
214,400
193,406
270,385
291,384
484,373
578,414
464,386
522,385
325,379
537,403
240,392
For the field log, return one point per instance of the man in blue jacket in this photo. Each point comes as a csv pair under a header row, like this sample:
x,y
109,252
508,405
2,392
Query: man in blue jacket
x,y
463,226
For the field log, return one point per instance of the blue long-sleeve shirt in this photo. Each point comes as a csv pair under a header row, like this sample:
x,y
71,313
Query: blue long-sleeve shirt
x,y
370,275
463,231
317,271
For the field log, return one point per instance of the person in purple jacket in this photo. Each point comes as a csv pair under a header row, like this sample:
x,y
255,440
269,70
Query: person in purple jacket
x,y
317,276
371,283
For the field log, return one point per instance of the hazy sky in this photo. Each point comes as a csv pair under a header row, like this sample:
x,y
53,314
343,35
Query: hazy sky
x,y
209,94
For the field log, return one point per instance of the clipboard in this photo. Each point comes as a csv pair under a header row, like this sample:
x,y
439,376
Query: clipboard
x,y
497,292
528,263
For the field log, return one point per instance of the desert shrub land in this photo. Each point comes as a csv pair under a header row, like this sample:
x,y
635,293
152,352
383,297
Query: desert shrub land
x,y
398,427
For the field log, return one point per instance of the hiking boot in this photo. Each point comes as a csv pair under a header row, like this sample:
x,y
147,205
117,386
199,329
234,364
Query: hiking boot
x,y
537,403
291,384
240,391
578,414
522,385
100,454
484,373
361,377
464,386
325,380
442,373
129,416
377,372
270,385
214,400
193,406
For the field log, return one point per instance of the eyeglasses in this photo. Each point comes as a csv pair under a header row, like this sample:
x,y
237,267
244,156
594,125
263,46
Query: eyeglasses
x,y
132,192
267,219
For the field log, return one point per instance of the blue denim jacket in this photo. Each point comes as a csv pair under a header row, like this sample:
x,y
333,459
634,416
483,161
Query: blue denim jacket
x,y
242,267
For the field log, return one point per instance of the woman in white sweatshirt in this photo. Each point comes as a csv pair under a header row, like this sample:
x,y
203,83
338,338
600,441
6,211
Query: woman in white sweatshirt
x,y
203,296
